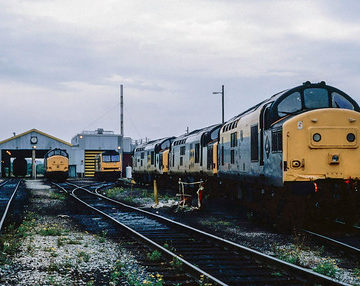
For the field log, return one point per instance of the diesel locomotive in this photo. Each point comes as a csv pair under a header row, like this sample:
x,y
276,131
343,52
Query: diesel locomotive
x,y
56,164
108,166
295,154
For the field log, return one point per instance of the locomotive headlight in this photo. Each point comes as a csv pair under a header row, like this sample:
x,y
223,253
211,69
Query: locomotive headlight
x,y
350,137
316,137
335,158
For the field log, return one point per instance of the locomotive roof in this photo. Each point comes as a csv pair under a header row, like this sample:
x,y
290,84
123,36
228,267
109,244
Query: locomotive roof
x,y
110,152
53,151
196,132
151,144
278,97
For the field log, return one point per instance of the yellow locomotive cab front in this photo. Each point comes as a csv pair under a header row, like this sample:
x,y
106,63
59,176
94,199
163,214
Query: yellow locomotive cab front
x,y
321,144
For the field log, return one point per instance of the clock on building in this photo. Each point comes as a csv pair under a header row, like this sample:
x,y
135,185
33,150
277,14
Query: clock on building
x,y
33,140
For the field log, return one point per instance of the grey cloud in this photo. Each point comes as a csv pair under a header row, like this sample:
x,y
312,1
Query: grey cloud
x,y
169,58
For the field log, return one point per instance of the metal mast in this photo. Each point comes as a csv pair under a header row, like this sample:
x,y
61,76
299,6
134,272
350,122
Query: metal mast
x,y
121,111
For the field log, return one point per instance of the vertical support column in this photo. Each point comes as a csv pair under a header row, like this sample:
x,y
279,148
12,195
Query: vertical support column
x,y
8,163
33,163
156,196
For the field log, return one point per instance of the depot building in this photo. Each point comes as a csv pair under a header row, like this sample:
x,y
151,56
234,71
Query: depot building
x,y
34,144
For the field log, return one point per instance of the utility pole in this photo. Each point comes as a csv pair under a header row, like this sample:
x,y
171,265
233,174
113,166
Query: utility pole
x,y
222,92
121,111
222,95
120,148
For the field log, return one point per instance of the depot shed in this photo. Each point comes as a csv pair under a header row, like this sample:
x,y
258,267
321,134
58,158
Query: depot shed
x,y
82,150
32,143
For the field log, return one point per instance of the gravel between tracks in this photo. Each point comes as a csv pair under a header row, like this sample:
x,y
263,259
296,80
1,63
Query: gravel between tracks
x,y
53,251
224,219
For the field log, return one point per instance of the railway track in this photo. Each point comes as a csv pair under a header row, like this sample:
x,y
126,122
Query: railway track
x,y
204,255
340,236
8,190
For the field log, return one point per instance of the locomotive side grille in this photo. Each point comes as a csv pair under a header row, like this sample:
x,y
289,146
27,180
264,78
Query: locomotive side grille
x,y
276,140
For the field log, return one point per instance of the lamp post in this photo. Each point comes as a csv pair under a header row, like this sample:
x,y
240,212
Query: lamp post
x,y
222,93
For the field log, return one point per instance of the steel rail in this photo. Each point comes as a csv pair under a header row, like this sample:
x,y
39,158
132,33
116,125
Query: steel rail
x,y
164,250
8,203
270,259
311,275
338,243
4,182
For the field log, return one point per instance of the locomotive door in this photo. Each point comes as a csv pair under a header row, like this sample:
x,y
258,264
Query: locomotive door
x,y
209,157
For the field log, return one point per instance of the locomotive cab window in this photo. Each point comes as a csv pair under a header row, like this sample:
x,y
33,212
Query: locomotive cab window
x,y
106,158
338,101
316,98
290,104
115,158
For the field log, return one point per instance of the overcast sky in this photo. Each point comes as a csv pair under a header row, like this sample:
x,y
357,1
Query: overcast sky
x,y
62,61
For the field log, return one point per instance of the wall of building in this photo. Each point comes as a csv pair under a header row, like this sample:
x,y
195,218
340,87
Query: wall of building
x,y
87,140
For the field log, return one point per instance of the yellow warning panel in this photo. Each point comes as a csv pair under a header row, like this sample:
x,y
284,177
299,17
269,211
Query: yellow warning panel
x,y
90,162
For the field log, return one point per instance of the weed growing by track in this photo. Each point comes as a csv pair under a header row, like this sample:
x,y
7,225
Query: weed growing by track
x,y
154,256
10,241
327,268
57,196
121,272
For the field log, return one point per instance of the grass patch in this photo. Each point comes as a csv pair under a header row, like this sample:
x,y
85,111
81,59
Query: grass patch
x,y
120,273
73,241
114,192
276,274
224,223
60,241
177,263
10,240
50,231
357,273
291,255
53,267
58,196
154,256
327,268
82,255
103,235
